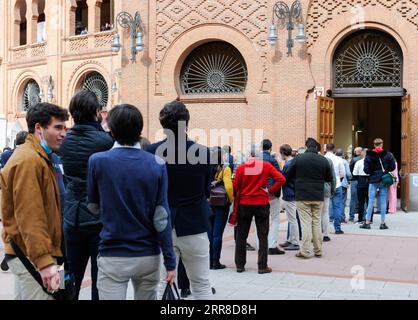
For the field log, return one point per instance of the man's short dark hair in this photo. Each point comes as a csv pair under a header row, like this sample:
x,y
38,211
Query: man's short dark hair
x,y
311,143
43,113
126,123
21,138
172,113
286,150
330,147
339,152
84,106
217,156
266,145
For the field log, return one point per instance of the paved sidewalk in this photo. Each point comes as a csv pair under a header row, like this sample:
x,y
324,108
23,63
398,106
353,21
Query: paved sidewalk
x,y
387,258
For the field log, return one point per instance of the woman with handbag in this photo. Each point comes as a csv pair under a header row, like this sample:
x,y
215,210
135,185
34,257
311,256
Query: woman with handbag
x,y
222,196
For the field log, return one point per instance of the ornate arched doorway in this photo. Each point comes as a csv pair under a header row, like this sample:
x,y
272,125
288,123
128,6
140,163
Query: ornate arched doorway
x,y
367,99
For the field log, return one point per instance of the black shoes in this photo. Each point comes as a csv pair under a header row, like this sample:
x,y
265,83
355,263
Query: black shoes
x,y
184,293
249,247
4,266
365,226
240,270
217,266
339,232
326,239
275,251
383,226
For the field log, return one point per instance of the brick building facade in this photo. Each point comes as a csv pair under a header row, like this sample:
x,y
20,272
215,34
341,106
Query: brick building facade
x,y
279,96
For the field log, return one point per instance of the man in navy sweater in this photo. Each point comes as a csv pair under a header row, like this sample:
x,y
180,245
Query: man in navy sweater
x,y
128,187
189,177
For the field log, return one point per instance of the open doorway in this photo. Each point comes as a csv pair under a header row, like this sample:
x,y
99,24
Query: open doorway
x,y
358,121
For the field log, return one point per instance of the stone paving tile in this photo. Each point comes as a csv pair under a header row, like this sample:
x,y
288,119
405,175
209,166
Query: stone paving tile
x,y
327,295
388,257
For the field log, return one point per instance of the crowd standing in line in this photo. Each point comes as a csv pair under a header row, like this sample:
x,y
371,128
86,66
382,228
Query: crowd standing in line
x,y
145,212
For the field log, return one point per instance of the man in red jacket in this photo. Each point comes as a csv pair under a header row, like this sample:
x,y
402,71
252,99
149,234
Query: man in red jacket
x,y
252,194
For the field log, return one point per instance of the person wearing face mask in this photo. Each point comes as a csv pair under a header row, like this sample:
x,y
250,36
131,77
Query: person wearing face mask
x,y
31,203
81,227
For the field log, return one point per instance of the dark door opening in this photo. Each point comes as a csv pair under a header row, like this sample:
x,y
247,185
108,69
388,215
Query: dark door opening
x,y
358,121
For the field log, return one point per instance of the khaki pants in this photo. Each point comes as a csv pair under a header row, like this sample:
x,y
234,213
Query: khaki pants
x,y
115,273
26,287
310,218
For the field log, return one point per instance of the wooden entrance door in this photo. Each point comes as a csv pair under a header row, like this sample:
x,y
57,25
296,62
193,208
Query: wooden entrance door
x,y
406,152
326,120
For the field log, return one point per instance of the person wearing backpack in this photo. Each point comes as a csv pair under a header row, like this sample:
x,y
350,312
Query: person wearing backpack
x,y
378,163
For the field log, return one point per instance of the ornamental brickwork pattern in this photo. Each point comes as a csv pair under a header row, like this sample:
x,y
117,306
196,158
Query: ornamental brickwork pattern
x,y
322,12
176,16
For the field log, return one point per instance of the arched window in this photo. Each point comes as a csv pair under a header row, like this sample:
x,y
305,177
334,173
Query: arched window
x,y
20,23
81,17
214,68
95,83
368,62
30,95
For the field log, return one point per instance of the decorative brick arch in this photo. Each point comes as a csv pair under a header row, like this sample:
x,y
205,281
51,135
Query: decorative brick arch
x,y
179,50
83,69
390,21
18,87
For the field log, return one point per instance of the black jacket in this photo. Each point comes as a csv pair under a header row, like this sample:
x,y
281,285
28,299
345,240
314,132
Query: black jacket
x,y
311,171
81,142
373,167
266,156
188,185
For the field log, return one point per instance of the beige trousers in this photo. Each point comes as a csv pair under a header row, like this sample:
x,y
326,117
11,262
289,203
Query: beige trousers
x,y
310,219
26,287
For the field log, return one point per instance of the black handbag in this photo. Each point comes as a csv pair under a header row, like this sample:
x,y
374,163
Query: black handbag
x,y
62,294
169,294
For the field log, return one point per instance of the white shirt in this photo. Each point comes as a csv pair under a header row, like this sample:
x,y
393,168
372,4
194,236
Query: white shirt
x,y
338,167
359,168
117,145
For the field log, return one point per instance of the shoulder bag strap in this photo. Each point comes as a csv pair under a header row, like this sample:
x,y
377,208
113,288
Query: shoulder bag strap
x,y
28,265
383,169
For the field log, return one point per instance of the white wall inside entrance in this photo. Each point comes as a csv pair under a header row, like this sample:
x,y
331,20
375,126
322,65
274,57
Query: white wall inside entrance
x,y
370,116
343,124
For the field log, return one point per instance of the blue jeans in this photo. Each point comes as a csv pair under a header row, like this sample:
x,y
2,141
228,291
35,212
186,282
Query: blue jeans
x,y
218,221
354,199
82,243
343,202
383,197
335,208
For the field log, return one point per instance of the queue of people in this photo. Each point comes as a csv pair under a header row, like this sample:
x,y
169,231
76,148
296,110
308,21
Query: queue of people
x,y
136,209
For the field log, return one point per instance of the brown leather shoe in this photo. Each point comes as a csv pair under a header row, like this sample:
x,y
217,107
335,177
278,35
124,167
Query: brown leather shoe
x,y
300,255
266,270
